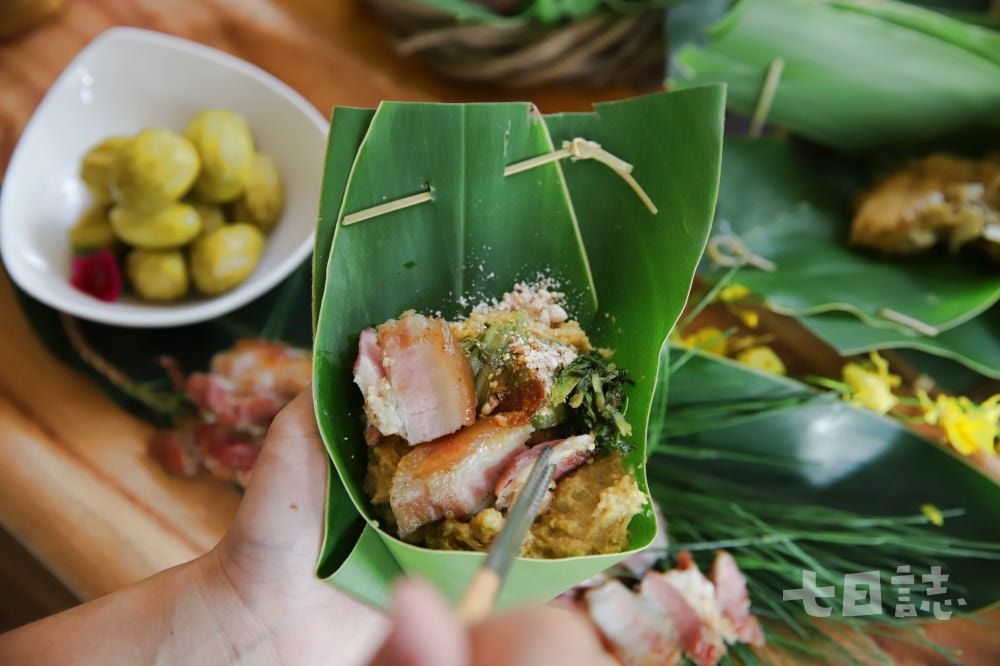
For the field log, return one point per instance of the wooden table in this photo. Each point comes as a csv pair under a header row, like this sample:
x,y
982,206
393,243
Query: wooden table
x,y
108,516
76,487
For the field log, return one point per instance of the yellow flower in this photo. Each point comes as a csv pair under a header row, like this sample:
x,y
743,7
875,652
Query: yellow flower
x,y
731,295
762,358
969,427
708,339
733,292
871,384
933,514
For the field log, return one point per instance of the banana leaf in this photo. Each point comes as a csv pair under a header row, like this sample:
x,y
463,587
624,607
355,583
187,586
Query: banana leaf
x,y
822,452
795,211
626,272
974,344
818,272
856,74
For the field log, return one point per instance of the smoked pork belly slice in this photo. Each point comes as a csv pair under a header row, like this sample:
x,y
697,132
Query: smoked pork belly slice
x,y
567,454
416,381
699,593
638,632
699,644
452,477
249,384
734,602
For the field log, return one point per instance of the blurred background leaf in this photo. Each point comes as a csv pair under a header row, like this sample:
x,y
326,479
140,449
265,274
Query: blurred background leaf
x,y
792,207
973,344
856,74
765,466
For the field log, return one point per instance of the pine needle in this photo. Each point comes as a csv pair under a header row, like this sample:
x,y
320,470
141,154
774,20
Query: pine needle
x,y
774,539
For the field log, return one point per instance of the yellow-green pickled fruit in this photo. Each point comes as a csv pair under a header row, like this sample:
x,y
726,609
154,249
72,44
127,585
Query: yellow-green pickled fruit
x,y
157,275
171,226
95,169
92,231
264,196
154,168
225,145
226,257
212,217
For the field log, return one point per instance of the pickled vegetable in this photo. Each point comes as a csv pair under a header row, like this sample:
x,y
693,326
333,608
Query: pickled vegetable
x,y
95,170
157,275
168,200
225,145
212,217
264,197
92,231
154,168
226,257
168,227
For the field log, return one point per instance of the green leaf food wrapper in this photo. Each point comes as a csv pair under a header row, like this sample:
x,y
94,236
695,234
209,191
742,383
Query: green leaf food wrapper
x,y
797,214
626,273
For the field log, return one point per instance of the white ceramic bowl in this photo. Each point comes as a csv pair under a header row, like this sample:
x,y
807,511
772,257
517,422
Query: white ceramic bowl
x,y
125,80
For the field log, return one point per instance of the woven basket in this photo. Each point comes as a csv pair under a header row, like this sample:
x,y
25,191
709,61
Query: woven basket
x,y
596,51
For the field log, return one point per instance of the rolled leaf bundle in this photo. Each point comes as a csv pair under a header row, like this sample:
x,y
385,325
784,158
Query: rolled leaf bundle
x,y
855,73
418,214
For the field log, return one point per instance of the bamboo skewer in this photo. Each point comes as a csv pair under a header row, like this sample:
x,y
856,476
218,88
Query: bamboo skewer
x,y
481,595
577,149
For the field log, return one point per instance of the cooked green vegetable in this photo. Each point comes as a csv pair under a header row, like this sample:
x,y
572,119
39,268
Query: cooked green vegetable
x,y
157,275
489,356
590,394
225,145
264,196
168,227
95,169
92,231
226,257
154,168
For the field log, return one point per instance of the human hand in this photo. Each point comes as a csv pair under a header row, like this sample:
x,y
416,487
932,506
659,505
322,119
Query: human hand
x,y
265,562
426,633
268,556
254,599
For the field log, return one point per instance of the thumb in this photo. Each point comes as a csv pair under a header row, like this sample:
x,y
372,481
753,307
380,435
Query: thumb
x,y
425,632
282,509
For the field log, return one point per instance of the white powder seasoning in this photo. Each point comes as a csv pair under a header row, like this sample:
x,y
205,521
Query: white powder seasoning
x,y
538,300
543,358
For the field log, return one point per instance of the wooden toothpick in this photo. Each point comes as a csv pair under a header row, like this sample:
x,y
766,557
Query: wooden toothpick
x,y
583,149
388,207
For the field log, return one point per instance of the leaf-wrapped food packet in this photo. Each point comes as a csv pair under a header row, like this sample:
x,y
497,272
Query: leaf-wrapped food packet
x,y
472,231
854,73
794,210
